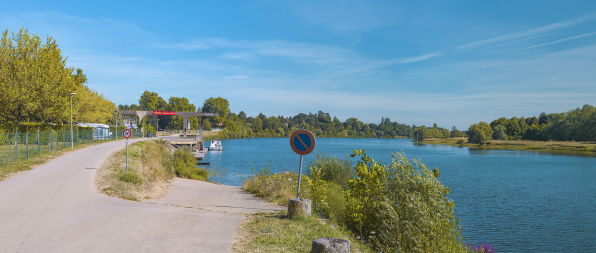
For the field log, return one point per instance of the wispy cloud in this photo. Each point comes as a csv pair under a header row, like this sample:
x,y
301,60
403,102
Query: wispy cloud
x,y
347,17
196,45
533,37
529,32
563,40
419,58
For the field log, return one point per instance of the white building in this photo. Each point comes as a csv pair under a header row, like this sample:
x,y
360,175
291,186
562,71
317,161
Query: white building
x,y
100,131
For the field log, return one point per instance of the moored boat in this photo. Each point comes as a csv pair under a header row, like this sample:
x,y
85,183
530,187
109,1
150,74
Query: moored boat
x,y
215,146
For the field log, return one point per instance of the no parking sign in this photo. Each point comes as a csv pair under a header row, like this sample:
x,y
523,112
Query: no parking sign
x,y
302,142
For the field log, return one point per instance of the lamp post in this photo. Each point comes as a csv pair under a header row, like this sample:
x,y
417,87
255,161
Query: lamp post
x,y
71,143
116,131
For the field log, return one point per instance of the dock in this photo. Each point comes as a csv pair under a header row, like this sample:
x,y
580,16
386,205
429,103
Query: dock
x,y
194,143
200,154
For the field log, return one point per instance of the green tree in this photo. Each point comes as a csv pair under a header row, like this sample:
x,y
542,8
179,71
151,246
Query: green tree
x,y
219,105
513,128
177,104
34,80
149,101
480,133
206,124
499,132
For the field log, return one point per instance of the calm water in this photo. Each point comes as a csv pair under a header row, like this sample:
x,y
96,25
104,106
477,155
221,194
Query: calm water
x,y
518,201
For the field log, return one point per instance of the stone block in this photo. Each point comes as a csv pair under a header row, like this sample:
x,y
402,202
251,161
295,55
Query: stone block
x,y
330,245
299,207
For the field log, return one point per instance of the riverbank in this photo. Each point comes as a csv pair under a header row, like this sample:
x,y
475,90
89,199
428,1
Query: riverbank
x,y
518,144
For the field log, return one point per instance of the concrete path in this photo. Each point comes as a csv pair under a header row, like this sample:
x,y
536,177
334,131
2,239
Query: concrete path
x,y
55,208
212,197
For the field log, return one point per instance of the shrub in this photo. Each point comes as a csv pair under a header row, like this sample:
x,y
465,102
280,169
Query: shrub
x,y
316,191
460,142
336,202
333,169
185,165
362,195
401,207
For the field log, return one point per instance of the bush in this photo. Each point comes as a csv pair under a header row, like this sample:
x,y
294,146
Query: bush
x,y
336,201
333,169
185,165
401,207
460,142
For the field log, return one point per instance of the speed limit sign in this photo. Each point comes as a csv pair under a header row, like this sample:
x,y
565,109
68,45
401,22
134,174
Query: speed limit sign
x,y
126,133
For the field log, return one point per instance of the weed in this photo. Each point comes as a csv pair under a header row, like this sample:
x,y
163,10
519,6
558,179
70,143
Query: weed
x,y
131,177
333,169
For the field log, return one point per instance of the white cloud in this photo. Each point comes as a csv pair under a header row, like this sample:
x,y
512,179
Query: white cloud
x,y
347,17
529,32
419,58
562,40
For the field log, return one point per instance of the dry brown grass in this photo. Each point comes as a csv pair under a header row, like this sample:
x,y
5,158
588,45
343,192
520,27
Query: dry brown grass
x,y
149,165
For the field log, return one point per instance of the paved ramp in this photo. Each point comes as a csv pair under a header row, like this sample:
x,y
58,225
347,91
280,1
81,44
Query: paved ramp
x,y
55,208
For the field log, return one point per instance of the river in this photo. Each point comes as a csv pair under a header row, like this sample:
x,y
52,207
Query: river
x,y
517,201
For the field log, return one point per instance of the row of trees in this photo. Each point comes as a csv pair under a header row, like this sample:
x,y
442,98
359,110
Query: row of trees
x,y
35,84
239,125
151,101
574,125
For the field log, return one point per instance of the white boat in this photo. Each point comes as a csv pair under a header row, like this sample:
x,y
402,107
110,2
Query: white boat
x,y
215,146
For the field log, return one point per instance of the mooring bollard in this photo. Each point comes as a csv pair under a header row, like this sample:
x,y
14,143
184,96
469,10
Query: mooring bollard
x,y
330,245
299,207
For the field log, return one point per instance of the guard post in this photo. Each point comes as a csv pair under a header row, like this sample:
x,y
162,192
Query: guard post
x,y
303,143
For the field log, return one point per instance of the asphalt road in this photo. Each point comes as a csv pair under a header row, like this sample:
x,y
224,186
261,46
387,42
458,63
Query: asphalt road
x,y
55,208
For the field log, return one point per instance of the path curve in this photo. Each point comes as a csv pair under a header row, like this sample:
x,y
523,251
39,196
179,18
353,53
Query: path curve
x,y
55,208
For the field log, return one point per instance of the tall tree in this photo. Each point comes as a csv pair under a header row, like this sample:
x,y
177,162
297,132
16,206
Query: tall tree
x,y
149,101
35,82
219,105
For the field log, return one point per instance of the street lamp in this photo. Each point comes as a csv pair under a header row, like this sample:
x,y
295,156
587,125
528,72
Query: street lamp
x,y
71,144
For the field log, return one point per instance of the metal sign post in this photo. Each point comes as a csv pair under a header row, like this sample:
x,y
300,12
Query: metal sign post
x,y
126,134
302,142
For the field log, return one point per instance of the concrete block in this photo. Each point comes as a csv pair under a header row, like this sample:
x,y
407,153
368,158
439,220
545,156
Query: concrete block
x,y
299,207
330,245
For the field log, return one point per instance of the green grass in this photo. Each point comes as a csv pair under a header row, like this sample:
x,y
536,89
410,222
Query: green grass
x,y
131,177
274,232
276,188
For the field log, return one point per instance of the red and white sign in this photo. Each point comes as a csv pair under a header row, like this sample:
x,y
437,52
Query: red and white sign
x,y
163,113
126,133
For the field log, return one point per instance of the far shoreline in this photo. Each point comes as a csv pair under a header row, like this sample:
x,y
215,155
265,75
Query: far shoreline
x,y
522,145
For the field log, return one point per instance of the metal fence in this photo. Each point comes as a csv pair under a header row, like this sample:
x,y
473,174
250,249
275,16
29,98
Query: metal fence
x,y
21,146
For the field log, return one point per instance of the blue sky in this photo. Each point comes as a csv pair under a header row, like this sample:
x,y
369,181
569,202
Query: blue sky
x,y
453,63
